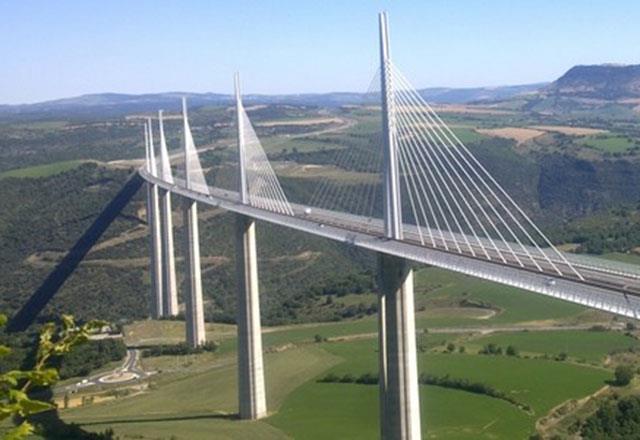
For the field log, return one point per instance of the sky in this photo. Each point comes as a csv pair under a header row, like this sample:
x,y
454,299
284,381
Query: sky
x,y
55,49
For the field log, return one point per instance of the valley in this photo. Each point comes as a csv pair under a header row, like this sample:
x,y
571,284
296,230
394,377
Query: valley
x,y
495,361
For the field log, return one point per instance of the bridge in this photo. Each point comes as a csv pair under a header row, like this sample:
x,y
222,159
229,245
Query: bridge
x,y
439,205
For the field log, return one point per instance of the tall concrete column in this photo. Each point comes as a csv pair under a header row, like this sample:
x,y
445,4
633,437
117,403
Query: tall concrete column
x,y
194,312
400,400
251,391
153,221
382,358
155,272
170,290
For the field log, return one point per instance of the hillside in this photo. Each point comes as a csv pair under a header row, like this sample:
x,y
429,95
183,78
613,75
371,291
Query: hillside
x,y
606,81
106,105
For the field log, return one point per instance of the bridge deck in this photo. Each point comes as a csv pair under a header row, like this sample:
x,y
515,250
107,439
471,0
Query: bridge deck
x,y
605,286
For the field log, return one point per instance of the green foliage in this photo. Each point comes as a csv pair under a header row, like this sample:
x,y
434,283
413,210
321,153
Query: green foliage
x,y
592,346
91,356
42,170
428,379
609,143
623,375
352,283
491,348
614,420
15,385
615,230
181,349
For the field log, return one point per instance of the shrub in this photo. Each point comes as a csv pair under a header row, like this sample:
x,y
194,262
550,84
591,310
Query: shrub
x,y
347,378
179,349
367,379
330,378
615,419
623,375
598,328
491,349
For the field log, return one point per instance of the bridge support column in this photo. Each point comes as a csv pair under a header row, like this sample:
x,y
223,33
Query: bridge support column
x,y
194,312
170,290
399,394
251,391
155,272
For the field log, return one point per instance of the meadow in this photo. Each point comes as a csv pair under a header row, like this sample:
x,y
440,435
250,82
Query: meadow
x,y
194,396
609,143
591,346
42,170
329,410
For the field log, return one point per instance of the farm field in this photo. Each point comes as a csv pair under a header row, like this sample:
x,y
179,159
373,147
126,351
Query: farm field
x,y
447,413
515,305
42,170
608,143
623,257
590,346
195,395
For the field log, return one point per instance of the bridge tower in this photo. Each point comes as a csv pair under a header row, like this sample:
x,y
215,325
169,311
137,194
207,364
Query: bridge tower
x,y
194,311
169,288
153,220
399,397
251,389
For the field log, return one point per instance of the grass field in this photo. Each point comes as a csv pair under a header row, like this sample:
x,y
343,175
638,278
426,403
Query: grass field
x,y
608,143
592,346
440,286
623,257
440,292
468,135
42,170
195,396
209,397
319,410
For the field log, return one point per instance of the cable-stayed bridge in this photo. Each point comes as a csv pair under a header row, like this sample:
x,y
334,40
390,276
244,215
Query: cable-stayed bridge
x,y
419,195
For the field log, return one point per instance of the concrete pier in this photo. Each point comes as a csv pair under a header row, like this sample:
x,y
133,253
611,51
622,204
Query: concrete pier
x,y
251,391
155,233
194,311
155,272
399,399
169,288
382,358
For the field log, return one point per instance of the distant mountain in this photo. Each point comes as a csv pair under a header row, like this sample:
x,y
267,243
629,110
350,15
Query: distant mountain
x,y
478,94
606,82
118,104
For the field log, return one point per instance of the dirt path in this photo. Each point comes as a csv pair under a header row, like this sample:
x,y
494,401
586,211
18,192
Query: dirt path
x,y
560,412
346,124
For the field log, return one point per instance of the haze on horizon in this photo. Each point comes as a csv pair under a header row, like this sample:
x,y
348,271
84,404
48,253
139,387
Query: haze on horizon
x,y
70,48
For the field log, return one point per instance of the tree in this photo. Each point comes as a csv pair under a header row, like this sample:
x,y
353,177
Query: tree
x,y
623,374
451,347
15,385
512,351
